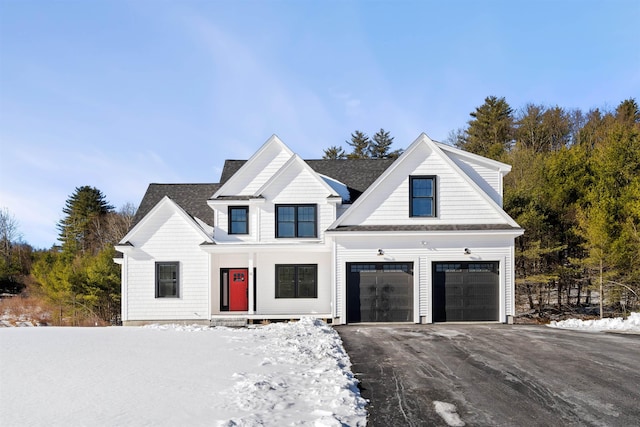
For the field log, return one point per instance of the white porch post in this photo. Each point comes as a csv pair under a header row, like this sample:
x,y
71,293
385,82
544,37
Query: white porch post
x,y
250,285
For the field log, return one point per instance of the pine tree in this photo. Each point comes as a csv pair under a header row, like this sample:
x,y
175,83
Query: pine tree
x,y
334,153
380,147
77,229
491,131
360,143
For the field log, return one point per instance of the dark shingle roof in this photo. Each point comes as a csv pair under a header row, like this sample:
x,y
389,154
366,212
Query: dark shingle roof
x,y
190,197
356,174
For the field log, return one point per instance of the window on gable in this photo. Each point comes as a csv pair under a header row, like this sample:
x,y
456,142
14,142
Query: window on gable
x,y
296,221
167,280
422,196
238,220
296,281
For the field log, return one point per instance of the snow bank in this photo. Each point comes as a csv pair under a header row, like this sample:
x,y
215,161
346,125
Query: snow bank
x,y
631,324
281,374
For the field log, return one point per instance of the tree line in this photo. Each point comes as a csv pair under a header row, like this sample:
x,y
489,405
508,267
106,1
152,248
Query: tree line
x,y
574,187
77,279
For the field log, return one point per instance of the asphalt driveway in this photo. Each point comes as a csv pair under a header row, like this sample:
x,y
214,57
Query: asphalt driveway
x,y
495,375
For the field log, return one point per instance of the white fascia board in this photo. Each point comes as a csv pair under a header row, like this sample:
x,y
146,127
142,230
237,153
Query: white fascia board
x,y
216,203
248,164
292,162
472,183
319,247
435,147
514,232
173,205
475,158
118,261
395,165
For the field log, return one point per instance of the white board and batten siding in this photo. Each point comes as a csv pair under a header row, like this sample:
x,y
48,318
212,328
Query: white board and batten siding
x,y
171,239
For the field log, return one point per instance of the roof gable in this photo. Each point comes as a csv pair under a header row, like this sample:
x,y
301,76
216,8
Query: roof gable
x,y
294,172
167,204
394,182
256,171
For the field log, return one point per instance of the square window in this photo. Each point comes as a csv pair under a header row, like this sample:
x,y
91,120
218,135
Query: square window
x,y
238,220
422,196
297,281
167,280
296,221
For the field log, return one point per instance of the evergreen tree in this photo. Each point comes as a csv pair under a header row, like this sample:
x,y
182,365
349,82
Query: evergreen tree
x,y
360,144
334,153
628,112
543,129
380,147
77,229
491,131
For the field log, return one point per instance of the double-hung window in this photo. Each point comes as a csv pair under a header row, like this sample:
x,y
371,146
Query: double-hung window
x,y
167,280
238,220
296,281
422,196
296,221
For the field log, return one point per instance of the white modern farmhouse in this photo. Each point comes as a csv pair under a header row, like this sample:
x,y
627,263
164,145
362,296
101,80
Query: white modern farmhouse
x,y
420,239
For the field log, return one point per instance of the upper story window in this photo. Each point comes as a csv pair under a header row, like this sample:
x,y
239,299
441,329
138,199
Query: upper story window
x,y
238,220
422,196
296,221
167,280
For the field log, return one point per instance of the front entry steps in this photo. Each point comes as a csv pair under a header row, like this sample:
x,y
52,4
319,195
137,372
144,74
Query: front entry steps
x,y
231,322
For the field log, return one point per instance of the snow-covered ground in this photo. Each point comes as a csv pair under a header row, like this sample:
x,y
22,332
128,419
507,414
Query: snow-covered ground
x,y
630,324
280,374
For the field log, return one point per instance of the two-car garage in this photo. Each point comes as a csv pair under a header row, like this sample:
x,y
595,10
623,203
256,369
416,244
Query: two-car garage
x,y
461,291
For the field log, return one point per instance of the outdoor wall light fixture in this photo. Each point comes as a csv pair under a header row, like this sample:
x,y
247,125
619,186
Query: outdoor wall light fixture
x,y
467,251
380,252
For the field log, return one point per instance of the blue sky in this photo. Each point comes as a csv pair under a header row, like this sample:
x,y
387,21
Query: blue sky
x,y
118,94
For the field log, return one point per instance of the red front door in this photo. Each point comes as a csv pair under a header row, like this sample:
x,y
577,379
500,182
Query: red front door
x,y
238,290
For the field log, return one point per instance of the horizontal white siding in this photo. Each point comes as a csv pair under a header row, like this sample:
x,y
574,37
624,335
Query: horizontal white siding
x,y
490,180
435,249
174,239
248,180
294,185
456,201
221,233
264,263
267,303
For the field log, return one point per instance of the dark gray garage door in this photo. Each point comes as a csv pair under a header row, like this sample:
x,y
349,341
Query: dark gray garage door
x,y
465,291
379,292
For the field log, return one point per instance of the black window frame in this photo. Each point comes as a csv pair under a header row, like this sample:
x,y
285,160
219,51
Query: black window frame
x,y
296,222
159,292
296,284
231,221
433,196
